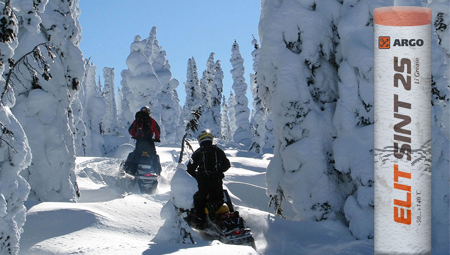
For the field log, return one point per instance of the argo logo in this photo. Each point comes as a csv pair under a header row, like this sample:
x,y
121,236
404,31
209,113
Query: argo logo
x,y
384,42
408,42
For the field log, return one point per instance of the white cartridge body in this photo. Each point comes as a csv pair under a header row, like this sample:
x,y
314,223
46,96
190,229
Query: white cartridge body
x,y
402,139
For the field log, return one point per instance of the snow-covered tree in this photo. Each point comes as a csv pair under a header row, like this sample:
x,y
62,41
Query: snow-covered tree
x,y
119,107
257,123
15,154
44,108
297,59
93,110
216,100
232,115
225,121
126,116
110,121
241,110
353,118
269,135
206,121
80,132
440,126
170,109
192,87
148,81
297,80
144,85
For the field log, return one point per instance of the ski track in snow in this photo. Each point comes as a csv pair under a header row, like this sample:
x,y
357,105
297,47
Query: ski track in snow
x,y
112,217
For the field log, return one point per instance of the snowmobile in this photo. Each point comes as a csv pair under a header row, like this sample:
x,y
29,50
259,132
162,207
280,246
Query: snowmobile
x,y
145,173
223,223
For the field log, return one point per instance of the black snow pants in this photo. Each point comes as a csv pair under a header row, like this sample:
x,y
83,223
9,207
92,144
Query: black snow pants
x,y
206,187
133,159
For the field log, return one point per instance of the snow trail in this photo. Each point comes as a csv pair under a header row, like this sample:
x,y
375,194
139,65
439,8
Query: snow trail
x,y
112,219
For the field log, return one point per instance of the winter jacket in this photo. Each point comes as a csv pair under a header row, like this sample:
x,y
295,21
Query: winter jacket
x,y
144,127
209,162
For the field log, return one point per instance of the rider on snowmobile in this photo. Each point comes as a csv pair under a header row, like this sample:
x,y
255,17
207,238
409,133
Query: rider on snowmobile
x,y
208,164
145,130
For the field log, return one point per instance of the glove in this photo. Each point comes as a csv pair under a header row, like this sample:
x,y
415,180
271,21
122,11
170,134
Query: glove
x,y
157,140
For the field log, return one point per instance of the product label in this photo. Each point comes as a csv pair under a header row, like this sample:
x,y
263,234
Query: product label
x,y
402,139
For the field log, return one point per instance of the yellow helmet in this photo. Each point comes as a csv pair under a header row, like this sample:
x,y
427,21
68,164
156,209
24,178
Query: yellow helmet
x,y
146,109
205,136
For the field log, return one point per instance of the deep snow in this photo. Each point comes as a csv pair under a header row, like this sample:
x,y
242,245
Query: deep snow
x,y
113,218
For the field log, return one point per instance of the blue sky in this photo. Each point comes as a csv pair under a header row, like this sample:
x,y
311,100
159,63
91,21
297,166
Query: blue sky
x,y
185,29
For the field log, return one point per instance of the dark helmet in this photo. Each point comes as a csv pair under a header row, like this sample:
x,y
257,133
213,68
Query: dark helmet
x,y
205,136
146,109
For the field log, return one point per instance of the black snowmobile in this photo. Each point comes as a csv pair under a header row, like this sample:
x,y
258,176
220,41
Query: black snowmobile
x,y
145,172
223,223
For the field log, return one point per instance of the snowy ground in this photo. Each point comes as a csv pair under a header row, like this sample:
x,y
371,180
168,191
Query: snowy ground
x,y
111,218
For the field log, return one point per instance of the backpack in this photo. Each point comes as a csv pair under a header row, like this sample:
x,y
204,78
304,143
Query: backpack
x,y
208,160
143,126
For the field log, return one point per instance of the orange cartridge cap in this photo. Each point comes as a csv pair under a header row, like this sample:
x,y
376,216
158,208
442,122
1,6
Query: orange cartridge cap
x,y
402,16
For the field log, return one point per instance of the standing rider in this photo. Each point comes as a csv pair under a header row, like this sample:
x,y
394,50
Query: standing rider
x,y
208,164
145,130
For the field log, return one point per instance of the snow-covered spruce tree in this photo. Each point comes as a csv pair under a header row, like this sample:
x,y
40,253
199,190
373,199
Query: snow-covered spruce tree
x,y
119,108
441,12
170,110
440,126
241,110
225,121
144,86
269,135
126,117
44,107
353,118
192,87
216,100
206,121
257,123
93,110
232,115
110,118
152,48
354,122
297,79
15,153
79,124
180,128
